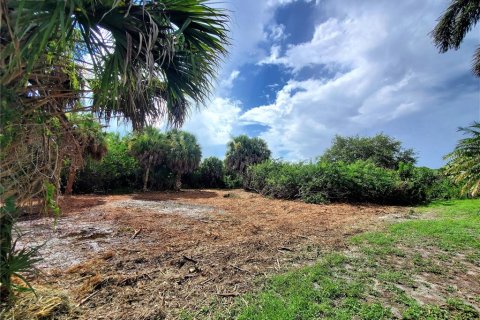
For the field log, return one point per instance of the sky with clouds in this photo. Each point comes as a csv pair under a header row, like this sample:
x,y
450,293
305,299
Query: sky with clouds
x,y
300,72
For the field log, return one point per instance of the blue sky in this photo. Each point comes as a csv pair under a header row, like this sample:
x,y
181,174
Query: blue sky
x,y
300,72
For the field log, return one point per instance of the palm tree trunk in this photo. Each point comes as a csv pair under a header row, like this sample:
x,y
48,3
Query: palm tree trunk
x,y
72,173
178,181
145,179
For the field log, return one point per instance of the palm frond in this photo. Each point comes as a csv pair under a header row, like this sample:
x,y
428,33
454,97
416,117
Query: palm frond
x,y
464,161
130,46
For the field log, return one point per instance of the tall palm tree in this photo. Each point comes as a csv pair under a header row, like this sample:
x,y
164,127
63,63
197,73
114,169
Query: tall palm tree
x,y
243,151
464,164
183,154
459,18
149,147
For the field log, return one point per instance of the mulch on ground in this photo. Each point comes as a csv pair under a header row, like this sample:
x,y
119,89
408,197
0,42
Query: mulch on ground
x,y
152,255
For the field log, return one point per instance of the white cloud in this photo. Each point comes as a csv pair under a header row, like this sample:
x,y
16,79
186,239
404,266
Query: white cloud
x,y
215,124
250,19
385,68
274,57
228,83
276,32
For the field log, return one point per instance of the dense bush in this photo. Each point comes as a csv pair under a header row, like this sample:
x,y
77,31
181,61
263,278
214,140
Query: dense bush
x,y
210,174
117,171
361,181
277,179
320,182
232,181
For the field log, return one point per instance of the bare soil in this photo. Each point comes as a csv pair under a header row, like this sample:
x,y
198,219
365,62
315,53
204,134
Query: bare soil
x,y
152,255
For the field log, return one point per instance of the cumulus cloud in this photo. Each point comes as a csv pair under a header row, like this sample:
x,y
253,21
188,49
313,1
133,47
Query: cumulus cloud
x,y
215,124
379,66
251,23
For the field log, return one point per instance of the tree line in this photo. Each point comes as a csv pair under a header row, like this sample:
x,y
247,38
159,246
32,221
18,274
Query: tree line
x,y
374,169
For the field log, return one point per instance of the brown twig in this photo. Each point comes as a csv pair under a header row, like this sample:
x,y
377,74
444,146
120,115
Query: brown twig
x,y
136,233
88,298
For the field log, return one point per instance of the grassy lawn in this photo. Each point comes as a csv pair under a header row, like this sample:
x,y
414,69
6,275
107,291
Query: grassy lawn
x,y
424,267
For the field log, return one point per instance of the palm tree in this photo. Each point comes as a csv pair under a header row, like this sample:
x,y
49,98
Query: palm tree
x,y
243,151
464,164
149,147
140,60
151,56
91,143
459,18
183,155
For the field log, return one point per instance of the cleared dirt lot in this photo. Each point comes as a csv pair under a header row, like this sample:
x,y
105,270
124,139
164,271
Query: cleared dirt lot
x,y
145,256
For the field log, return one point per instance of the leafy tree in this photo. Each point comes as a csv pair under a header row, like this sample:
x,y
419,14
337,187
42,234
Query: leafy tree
x,y
90,143
149,147
459,18
383,150
464,164
243,151
183,154
141,60
212,172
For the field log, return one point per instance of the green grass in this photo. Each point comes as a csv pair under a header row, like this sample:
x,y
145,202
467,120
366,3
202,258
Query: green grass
x,y
455,227
376,282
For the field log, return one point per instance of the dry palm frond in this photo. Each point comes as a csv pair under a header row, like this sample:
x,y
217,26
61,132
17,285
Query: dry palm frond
x,y
46,304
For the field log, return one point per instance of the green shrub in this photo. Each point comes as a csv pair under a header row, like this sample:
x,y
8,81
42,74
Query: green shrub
x,y
118,170
255,178
371,183
212,173
232,181
361,181
326,182
162,178
278,179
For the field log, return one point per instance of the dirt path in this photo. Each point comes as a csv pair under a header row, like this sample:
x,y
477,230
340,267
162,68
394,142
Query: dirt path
x,y
190,248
